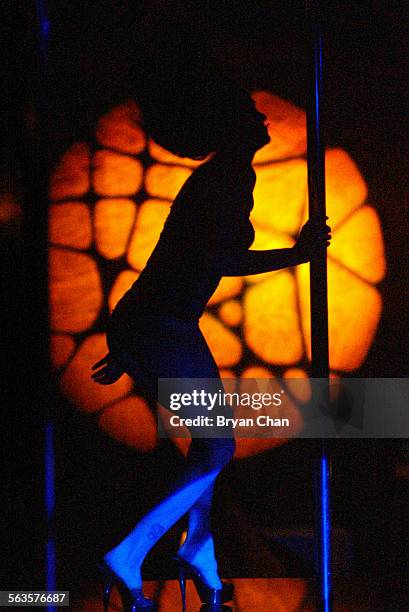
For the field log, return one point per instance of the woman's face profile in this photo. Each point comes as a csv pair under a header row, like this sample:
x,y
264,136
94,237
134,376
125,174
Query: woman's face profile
x,y
258,122
251,127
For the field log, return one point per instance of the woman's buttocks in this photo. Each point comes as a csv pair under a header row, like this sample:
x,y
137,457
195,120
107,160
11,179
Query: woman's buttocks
x,y
165,345
135,321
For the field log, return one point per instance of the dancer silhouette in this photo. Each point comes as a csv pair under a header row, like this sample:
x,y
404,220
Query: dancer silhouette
x,y
154,329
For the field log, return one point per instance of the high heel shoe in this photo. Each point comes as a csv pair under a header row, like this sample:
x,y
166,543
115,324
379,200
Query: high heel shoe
x,y
207,594
133,599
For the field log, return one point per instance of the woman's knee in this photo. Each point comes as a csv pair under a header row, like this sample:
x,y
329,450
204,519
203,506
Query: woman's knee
x,y
214,453
227,448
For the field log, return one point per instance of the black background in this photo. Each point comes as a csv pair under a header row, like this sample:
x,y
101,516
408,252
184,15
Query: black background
x,y
99,483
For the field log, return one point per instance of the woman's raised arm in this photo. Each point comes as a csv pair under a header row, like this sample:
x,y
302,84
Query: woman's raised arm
x,y
312,238
243,263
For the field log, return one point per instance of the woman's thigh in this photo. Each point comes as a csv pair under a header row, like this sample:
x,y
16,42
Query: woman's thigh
x,y
162,346
166,347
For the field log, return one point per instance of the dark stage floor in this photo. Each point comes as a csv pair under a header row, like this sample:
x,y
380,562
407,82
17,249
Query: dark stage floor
x,y
266,594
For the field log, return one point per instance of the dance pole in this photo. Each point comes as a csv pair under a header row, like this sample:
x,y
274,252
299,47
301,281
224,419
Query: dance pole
x,y
319,307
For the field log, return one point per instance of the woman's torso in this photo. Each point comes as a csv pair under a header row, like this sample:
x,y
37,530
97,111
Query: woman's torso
x,y
209,215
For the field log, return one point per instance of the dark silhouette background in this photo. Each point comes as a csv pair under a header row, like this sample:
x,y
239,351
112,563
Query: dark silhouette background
x,y
264,45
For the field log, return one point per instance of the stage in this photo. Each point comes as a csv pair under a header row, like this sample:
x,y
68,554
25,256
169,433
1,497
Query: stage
x,y
265,594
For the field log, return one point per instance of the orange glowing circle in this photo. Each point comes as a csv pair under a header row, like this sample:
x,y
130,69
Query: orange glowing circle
x,y
98,221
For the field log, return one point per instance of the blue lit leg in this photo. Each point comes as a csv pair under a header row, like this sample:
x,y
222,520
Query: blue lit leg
x,y
198,547
205,460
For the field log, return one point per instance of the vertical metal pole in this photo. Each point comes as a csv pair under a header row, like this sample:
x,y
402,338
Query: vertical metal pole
x,y
41,180
319,306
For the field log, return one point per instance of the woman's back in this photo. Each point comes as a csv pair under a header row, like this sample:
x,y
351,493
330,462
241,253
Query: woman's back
x,y
209,215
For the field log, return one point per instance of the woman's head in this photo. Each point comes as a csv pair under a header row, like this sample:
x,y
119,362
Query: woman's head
x,y
189,106
205,119
244,127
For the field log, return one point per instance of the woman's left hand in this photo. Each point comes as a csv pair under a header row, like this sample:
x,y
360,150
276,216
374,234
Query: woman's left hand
x,y
108,371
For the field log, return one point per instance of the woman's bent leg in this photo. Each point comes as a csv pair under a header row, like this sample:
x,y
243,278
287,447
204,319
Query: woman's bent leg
x,y
169,348
205,460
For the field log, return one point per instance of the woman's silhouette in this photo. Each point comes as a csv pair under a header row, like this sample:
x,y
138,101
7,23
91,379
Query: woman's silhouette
x,y
154,330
